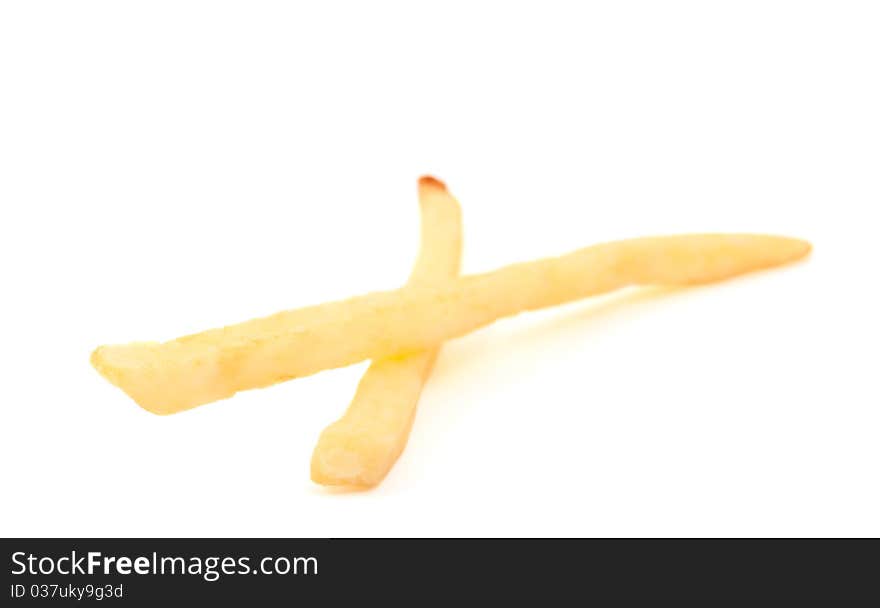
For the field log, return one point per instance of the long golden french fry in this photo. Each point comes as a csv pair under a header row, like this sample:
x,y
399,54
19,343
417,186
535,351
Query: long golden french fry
x,y
172,376
361,447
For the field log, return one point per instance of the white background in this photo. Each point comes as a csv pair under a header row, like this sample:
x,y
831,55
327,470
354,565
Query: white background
x,y
166,167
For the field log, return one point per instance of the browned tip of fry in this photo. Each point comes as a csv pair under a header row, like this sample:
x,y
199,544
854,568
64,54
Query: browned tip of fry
x,y
428,182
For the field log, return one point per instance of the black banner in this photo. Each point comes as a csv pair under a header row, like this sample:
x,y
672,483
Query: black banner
x,y
322,571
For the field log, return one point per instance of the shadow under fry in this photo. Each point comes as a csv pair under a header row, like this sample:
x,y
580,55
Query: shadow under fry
x,y
341,490
574,318
433,427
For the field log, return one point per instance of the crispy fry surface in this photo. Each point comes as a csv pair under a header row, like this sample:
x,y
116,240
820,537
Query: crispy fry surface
x,y
215,364
361,447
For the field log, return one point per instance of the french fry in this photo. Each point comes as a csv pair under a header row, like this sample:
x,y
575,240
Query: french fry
x,y
360,448
215,364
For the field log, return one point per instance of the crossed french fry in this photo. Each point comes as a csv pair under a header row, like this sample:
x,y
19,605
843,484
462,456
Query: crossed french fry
x,y
401,330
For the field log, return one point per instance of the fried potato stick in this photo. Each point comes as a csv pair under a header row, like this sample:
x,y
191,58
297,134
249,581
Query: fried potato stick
x,y
171,376
360,448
